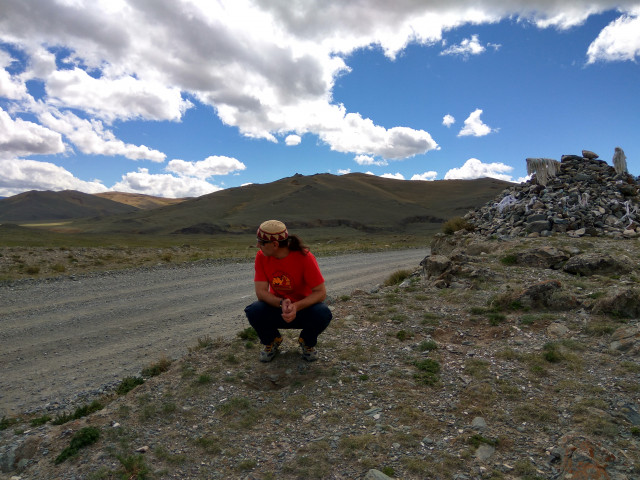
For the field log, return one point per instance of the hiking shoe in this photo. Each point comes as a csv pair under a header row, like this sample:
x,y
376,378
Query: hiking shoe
x,y
308,353
271,350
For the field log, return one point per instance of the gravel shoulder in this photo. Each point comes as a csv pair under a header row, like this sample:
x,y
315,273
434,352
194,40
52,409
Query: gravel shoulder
x,y
69,339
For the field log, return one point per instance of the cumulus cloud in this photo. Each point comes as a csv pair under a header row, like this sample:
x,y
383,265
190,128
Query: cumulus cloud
x,y
19,138
344,171
474,127
293,140
360,135
210,166
468,46
448,120
20,175
91,137
395,176
122,98
618,41
426,176
474,168
368,160
163,185
265,68
11,87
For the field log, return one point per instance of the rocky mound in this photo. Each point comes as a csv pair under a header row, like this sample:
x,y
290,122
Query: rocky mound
x,y
585,197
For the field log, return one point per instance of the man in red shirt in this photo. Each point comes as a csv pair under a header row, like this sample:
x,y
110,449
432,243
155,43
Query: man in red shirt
x,y
290,290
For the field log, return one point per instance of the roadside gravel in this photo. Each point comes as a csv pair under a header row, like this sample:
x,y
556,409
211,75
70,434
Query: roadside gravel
x,y
69,339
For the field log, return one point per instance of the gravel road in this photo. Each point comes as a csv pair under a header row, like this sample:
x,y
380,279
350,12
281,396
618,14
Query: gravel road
x,y
63,340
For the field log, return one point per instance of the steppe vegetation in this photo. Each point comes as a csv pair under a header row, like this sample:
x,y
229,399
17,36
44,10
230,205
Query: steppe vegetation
x,y
37,252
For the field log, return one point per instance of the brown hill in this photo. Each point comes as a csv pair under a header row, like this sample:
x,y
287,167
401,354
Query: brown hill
x,y
138,200
35,206
357,201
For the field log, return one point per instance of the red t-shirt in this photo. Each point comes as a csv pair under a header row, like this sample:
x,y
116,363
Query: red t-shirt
x,y
290,277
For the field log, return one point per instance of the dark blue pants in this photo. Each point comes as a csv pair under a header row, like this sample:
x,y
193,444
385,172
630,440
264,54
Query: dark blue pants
x,y
266,320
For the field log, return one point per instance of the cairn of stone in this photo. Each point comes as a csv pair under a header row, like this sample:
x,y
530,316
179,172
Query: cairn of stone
x,y
578,196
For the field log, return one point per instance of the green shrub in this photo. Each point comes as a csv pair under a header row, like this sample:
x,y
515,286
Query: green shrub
x,y
248,333
7,422
428,371
82,438
427,346
36,422
133,467
128,384
78,413
509,260
551,353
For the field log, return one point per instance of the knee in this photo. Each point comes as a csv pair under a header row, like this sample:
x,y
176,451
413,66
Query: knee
x,y
255,310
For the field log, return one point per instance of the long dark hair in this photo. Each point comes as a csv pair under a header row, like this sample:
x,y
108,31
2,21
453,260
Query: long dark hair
x,y
295,244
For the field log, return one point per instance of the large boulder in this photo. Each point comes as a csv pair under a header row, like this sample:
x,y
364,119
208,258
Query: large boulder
x,y
624,304
588,264
543,257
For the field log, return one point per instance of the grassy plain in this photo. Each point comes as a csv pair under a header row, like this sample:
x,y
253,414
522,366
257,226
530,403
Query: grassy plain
x,y
40,252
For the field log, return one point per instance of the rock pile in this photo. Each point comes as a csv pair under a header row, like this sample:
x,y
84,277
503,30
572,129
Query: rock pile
x,y
585,197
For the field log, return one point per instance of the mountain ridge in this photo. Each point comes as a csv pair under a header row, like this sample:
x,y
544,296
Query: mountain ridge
x,y
360,201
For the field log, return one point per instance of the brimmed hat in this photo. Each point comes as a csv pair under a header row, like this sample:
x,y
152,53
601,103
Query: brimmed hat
x,y
272,230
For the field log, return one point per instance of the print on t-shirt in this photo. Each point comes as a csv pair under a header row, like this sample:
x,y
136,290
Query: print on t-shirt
x,y
281,282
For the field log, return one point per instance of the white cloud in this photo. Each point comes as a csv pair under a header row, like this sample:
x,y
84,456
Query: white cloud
x,y
10,87
468,46
91,137
20,175
448,120
474,168
395,176
122,98
266,68
368,160
618,41
473,126
426,176
163,185
344,171
293,140
361,136
210,166
19,138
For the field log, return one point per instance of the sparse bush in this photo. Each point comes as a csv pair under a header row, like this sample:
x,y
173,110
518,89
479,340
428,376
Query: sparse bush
x,y
157,368
7,422
133,467
128,383
427,346
82,438
248,333
455,224
78,413
509,260
36,422
428,371
551,353
403,335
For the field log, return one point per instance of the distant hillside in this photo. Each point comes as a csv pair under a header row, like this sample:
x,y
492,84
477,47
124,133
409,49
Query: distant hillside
x,y
143,202
35,206
359,201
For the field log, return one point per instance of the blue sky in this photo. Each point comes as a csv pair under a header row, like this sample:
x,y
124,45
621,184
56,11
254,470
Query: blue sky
x,y
183,98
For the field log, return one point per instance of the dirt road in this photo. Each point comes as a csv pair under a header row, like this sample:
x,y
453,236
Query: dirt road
x,y
64,340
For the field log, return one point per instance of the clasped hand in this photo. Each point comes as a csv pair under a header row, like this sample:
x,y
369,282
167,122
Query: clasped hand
x,y
288,310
